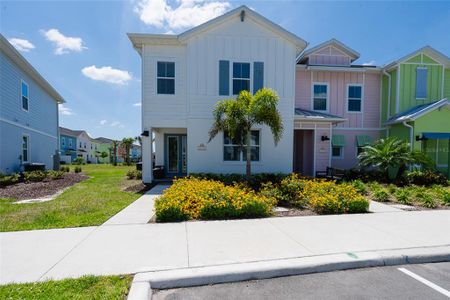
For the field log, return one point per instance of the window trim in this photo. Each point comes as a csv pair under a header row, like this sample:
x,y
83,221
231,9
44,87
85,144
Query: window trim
x,y
28,148
241,156
356,152
250,85
426,84
63,141
21,95
348,99
327,98
70,142
172,78
341,156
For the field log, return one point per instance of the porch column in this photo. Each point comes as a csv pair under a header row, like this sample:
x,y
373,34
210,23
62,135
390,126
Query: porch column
x,y
448,161
147,157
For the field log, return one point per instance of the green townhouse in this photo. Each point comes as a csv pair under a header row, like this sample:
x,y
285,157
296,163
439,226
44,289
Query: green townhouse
x,y
415,103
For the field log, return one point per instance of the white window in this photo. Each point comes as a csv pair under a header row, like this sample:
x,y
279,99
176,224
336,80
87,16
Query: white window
x,y
421,83
165,77
337,151
81,145
25,148
354,98
25,96
232,151
320,96
241,77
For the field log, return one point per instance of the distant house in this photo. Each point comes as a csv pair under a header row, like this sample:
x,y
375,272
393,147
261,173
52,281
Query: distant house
x,y
136,153
68,144
28,113
104,146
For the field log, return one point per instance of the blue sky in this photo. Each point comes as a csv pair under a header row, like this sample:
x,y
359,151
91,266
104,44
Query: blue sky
x,y
82,49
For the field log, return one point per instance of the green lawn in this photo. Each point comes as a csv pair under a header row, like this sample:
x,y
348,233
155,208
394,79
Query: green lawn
x,y
87,203
87,287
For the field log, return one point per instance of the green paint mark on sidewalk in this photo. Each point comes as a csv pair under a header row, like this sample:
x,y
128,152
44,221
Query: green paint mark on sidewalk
x,y
352,255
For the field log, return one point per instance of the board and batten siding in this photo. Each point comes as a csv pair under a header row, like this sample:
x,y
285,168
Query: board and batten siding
x,y
329,56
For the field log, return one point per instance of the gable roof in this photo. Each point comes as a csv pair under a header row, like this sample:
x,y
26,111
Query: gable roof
x,y
427,50
316,116
335,43
417,111
69,132
139,39
103,140
18,59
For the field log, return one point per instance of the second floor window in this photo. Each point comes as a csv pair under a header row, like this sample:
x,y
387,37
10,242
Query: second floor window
x,y
320,96
421,83
166,78
232,151
241,77
63,141
354,98
24,87
70,143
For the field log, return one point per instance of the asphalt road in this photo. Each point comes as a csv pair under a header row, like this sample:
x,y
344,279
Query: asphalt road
x,y
424,281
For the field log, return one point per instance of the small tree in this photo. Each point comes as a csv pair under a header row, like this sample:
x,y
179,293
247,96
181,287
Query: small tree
x,y
104,154
115,144
236,117
127,143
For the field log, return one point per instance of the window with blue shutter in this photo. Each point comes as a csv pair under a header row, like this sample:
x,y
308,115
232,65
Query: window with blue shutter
x,y
224,77
421,83
258,76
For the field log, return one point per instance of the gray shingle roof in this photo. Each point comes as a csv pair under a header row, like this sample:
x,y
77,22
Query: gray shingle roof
x,y
308,114
416,111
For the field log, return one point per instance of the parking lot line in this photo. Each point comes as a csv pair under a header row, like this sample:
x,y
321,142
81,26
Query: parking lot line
x,y
426,282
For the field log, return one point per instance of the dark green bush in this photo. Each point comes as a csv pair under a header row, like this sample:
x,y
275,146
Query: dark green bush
x,y
445,197
53,175
426,178
134,174
404,196
9,179
255,182
64,169
78,161
425,199
77,169
364,175
381,195
359,185
34,176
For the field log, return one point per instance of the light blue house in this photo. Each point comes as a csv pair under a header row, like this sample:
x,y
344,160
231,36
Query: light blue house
x,y
28,113
68,144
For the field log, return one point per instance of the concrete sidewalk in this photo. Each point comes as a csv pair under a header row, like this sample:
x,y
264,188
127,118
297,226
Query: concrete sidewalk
x,y
60,253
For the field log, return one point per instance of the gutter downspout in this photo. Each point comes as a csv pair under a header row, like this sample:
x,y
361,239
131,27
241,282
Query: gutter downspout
x,y
389,97
411,135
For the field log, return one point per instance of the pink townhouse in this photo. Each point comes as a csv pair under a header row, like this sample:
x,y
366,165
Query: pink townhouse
x,y
337,108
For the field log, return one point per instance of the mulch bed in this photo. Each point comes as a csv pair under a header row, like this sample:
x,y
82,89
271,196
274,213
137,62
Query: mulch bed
x,y
33,190
139,187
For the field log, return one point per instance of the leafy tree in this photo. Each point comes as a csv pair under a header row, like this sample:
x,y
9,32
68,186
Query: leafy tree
x,y
127,143
392,154
104,154
237,116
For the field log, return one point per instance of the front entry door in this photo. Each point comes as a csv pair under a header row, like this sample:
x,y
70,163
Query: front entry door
x,y
175,155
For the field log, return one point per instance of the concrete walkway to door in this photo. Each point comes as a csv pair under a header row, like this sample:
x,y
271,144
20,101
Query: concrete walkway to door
x,y
126,244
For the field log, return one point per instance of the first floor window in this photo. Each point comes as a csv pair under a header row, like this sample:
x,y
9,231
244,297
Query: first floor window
x,y
166,77
359,150
233,152
241,77
320,96
24,87
70,143
337,151
25,148
354,98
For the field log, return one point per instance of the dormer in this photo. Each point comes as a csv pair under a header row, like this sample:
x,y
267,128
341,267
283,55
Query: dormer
x,y
329,53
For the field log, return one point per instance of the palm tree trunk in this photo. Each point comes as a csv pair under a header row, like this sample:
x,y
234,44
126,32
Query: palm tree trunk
x,y
248,169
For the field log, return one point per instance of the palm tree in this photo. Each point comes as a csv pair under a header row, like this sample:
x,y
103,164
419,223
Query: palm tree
x,y
237,116
127,143
115,144
391,156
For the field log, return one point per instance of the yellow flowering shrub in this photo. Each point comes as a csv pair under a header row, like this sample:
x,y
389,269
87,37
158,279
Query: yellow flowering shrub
x,y
194,198
324,197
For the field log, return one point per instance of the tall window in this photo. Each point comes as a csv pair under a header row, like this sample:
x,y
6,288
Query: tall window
x,y
337,151
241,77
421,83
354,98
25,148
63,141
70,142
320,97
24,88
231,148
166,77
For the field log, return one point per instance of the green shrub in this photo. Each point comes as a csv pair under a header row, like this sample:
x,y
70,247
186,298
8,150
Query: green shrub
x,y
34,176
404,196
53,175
392,189
380,195
426,178
255,182
359,186
134,174
78,161
77,169
193,198
445,197
424,198
64,169
9,179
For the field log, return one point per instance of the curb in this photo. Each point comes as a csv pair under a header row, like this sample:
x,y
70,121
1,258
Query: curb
x,y
187,277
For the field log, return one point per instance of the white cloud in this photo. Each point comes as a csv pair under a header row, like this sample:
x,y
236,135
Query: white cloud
x,y
107,74
117,124
137,104
63,44
21,44
65,110
370,63
103,122
188,13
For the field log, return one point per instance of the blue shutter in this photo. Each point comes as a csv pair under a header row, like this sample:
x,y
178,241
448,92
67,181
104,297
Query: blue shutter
x,y
421,83
224,77
258,76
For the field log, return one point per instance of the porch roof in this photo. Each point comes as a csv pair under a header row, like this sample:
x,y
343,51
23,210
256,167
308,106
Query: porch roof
x,y
436,135
417,111
304,114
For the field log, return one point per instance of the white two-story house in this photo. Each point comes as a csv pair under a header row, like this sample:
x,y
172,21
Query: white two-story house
x,y
183,77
